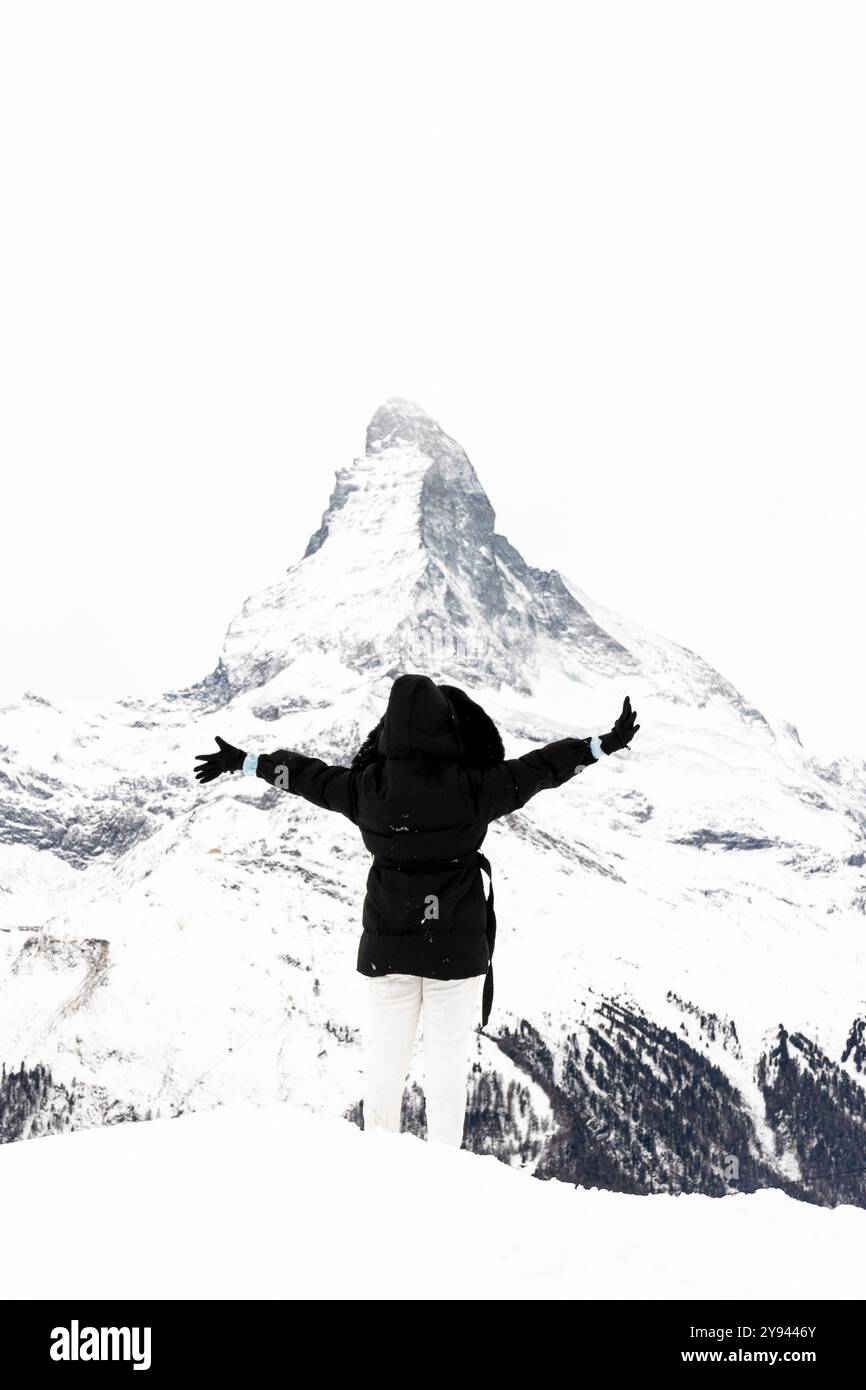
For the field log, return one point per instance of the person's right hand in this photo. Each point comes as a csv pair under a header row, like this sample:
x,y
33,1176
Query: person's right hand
x,y
623,730
211,765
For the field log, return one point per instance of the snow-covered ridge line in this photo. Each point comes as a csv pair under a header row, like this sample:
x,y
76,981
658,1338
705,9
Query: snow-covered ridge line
x,y
273,1202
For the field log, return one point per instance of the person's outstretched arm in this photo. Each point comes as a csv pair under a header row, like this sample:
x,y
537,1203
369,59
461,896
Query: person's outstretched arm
x,y
506,787
290,771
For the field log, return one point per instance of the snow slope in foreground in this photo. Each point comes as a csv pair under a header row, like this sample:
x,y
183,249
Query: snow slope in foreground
x,y
275,1202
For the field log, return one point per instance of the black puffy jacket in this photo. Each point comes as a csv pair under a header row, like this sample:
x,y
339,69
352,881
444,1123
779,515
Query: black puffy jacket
x,y
421,800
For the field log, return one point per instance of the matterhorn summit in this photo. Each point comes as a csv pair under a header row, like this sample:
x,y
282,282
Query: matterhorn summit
x,y
407,570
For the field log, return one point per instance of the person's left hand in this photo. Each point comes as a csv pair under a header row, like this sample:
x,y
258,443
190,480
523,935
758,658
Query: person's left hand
x,y
212,765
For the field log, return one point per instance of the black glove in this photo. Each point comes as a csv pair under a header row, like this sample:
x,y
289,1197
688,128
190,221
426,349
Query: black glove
x,y
228,759
623,730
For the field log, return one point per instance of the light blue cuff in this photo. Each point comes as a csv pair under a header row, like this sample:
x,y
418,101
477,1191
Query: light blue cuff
x,y
595,747
251,762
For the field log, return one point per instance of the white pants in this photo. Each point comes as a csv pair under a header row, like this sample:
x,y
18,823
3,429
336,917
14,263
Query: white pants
x,y
451,1010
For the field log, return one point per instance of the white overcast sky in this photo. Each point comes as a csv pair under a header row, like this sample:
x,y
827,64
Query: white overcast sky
x,y
616,250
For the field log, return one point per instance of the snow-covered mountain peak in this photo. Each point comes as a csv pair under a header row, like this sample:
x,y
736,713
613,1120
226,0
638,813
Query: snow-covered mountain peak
x,y
406,570
398,421
407,454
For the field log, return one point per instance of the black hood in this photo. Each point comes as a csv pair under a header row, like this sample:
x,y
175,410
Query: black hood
x,y
479,738
437,721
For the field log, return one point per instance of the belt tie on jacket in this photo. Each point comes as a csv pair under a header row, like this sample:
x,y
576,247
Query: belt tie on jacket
x,y
461,861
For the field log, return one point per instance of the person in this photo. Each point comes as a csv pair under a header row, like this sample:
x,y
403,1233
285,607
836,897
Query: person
x,y
422,789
